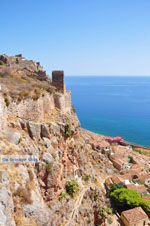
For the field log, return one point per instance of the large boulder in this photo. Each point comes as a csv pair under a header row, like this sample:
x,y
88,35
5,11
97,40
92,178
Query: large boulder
x,y
34,130
12,136
55,128
47,142
45,131
6,202
38,210
47,157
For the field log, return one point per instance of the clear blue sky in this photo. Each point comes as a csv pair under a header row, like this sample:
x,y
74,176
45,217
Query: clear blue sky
x,y
82,37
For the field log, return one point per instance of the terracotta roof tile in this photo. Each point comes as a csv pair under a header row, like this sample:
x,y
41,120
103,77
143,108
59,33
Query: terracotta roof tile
x,y
108,182
115,179
134,215
140,188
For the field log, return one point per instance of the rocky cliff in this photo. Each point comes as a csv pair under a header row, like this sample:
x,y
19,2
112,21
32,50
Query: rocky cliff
x,y
64,186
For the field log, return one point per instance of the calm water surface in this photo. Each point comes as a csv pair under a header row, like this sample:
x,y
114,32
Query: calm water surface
x,y
113,105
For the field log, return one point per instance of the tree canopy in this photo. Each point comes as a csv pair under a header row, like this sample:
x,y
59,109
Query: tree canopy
x,y
125,198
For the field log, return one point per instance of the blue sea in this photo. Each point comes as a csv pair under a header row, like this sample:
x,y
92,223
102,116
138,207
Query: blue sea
x,y
113,105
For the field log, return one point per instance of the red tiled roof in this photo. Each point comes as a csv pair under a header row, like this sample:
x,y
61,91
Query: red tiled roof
x,y
145,176
108,182
140,188
134,215
115,179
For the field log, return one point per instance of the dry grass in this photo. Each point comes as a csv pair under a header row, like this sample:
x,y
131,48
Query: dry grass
x,y
21,220
31,176
48,116
25,195
22,84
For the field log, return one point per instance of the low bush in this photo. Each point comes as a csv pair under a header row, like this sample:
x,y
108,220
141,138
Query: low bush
x,y
96,196
72,187
140,152
2,63
73,108
109,211
68,130
62,195
109,220
49,166
87,177
23,94
131,159
37,94
17,61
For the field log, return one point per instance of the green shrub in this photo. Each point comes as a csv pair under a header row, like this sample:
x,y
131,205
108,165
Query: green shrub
x,y
72,187
113,187
23,94
131,159
2,63
109,220
73,108
140,152
96,196
94,180
49,166
124,198
68,130
17,61
18,55
62,195
102,213
146,206
109,211
87,177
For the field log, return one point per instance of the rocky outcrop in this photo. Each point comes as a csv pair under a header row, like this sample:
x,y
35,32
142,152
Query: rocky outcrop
x,y
6,202
42,123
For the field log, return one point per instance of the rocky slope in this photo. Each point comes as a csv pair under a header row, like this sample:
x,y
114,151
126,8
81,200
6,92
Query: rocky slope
x,y
38,121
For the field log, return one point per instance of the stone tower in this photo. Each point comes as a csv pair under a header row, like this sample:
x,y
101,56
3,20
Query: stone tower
x,y
58,81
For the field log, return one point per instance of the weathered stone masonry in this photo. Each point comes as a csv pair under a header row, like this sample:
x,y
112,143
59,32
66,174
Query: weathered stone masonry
x,y
58,81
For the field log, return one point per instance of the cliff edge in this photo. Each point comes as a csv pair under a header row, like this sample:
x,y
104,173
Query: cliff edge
x,y
51,172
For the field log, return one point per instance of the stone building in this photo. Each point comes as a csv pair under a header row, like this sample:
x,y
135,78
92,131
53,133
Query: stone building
x,y
134,217
58,81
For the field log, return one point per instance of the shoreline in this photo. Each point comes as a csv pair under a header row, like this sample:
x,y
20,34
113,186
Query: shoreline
x,y
123,142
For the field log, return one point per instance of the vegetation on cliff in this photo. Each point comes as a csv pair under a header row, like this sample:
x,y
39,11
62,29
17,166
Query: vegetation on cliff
x,y
124,199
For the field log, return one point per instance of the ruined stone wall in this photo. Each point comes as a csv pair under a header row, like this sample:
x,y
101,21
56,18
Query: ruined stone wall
x,y
58,81
30,109
63,101
34,110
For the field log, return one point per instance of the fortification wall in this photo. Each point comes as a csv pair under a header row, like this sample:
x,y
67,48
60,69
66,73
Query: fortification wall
x,y
63,101
58,81
34,110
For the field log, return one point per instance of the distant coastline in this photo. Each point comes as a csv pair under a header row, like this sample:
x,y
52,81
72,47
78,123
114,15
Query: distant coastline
x,y
126,143
113,105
